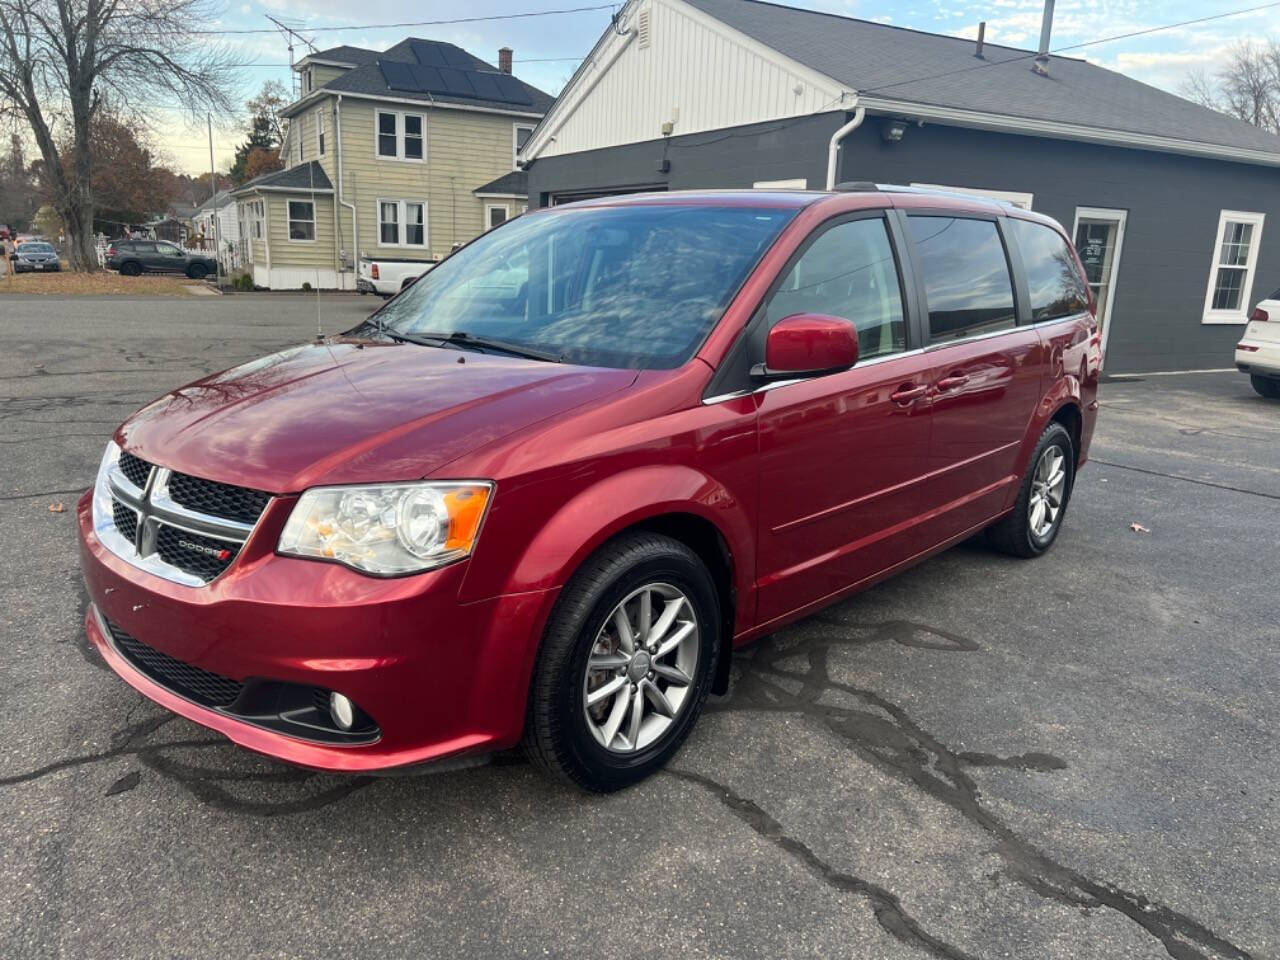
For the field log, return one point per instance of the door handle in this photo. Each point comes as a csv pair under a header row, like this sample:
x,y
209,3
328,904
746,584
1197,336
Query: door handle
x,y
953,381
908,393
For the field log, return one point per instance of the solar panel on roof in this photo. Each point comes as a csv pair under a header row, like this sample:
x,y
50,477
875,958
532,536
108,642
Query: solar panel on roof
x,y
486,85
399,76
513,90
431,53
428,78
457,83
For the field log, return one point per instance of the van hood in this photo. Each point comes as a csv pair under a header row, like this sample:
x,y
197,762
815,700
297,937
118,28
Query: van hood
x,y
344,411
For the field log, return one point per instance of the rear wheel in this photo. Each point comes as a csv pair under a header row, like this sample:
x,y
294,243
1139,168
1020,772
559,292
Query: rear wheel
x,y
197,271
626,664
130,268
1042,500
1266,386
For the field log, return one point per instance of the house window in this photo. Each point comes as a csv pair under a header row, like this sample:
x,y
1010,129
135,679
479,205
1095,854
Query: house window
x,y
1235,255
495,213
302,220
401,136
306,80
320,131
298,138
520,134
402,223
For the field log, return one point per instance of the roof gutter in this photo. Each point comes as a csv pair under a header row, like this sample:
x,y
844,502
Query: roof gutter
x,y
833,148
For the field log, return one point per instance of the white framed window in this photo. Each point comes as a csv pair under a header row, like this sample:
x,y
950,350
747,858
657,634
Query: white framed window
x,y
1235,255
520,133
306,80
402,223
320,131
1022,200
495,214
400,136
302,221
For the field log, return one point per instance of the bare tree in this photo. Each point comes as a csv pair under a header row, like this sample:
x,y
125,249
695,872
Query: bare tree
x,y
1247,86
61,60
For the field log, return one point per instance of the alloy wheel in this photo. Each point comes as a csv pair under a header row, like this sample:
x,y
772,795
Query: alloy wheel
x,y
1048,487
641,667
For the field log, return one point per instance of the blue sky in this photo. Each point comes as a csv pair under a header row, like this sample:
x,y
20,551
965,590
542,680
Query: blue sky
x,y
547,49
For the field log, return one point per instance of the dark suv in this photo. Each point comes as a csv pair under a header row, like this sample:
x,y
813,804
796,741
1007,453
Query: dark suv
x,y
132,257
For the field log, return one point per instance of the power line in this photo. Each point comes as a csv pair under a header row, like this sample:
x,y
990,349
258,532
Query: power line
x,y
411,23
1074,46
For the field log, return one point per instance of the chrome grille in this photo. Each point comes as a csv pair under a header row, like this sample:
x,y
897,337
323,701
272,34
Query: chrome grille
x,y
179,527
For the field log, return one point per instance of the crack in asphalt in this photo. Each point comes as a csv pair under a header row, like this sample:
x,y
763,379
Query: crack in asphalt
x,y
1174,476
884,735
886,906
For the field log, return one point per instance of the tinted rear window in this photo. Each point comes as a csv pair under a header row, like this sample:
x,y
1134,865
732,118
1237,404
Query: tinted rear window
x,y
966,276
1053,278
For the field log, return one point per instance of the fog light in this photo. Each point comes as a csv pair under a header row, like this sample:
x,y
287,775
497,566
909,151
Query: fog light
x,y
342,710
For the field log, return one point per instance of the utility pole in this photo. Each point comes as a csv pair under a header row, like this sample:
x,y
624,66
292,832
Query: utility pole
x,y
213,200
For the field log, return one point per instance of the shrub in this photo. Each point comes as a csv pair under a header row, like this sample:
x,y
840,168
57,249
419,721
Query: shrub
x,y
306,286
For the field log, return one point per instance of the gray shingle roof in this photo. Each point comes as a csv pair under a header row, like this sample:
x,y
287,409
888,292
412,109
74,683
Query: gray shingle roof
x,y
304,176
893,63
368,79
516,182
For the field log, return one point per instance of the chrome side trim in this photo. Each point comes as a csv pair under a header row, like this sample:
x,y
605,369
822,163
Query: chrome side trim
x,y
721,398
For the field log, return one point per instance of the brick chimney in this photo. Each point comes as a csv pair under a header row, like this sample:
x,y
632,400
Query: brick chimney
x,y
504,59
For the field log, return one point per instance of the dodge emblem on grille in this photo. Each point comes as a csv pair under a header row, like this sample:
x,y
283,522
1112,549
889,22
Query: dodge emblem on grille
x,y
201,548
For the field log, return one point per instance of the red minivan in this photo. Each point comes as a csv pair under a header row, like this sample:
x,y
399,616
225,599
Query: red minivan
x,y
540,496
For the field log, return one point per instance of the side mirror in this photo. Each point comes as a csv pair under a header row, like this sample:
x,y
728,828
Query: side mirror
x,y
807,344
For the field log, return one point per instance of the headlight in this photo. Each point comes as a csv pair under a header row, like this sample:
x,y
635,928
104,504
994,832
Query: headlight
x,y
388,530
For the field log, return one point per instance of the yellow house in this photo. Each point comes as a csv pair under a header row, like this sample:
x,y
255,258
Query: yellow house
x,y
395,154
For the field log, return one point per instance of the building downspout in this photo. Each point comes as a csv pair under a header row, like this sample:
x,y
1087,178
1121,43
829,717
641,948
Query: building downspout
x,y
355,224
833,148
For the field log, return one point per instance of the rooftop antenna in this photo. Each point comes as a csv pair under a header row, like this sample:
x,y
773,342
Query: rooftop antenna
x,y
290,34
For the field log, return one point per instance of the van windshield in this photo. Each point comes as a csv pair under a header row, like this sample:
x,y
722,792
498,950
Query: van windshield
x,y
630,286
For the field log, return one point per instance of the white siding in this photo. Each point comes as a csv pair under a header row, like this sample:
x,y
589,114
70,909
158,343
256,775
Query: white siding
x,y
695,71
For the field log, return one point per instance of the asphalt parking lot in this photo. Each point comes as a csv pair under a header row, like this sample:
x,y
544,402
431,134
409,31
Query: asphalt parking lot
x,y
984,757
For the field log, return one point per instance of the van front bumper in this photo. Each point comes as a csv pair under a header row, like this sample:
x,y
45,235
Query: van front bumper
x,y
435,677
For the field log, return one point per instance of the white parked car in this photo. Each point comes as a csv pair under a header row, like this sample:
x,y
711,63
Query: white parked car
x,y
388,276
1258,352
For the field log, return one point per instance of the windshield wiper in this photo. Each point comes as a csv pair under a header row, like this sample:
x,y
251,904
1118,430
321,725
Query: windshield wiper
x,y
461,338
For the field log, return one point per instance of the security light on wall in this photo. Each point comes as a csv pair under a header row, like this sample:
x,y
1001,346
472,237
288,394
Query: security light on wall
x,y
893,130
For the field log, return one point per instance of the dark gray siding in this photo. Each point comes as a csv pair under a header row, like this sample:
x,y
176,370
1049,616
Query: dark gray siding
x,y
1173,204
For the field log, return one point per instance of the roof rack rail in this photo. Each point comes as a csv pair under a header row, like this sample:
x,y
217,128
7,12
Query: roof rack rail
x,y
858,186
865,186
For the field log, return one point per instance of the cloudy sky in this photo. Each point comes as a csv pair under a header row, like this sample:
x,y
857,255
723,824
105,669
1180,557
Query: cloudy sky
x,y
548,48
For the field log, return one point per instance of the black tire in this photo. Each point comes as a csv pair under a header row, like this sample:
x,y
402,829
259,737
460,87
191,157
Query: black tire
x,y
1266,387
130,268
197,271
557,738
1013,534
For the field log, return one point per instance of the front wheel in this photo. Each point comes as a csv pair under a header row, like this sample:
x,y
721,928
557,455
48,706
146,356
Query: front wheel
x,y
1042,499
197,271
1266,387
625,665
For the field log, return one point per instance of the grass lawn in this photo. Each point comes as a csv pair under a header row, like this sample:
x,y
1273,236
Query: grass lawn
x,y
65,283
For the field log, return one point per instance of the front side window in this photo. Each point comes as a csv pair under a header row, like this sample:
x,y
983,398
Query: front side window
x,y
302,220
1053,278
1231,273
966,276
635,287
848,272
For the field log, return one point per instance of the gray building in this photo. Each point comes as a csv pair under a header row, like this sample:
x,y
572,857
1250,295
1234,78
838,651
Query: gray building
x,y
1168,201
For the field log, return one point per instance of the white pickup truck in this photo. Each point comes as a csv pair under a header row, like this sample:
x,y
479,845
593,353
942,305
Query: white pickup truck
x,y
388,276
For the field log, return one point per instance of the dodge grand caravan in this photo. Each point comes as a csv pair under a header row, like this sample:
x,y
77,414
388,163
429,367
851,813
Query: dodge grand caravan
x,y
544,511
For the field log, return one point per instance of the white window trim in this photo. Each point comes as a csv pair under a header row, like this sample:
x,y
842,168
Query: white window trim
x,y
515,142
320,132
1240,316
399,115
799,183
1022,200
301,138
402,224
504,207
288,220
1122,217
